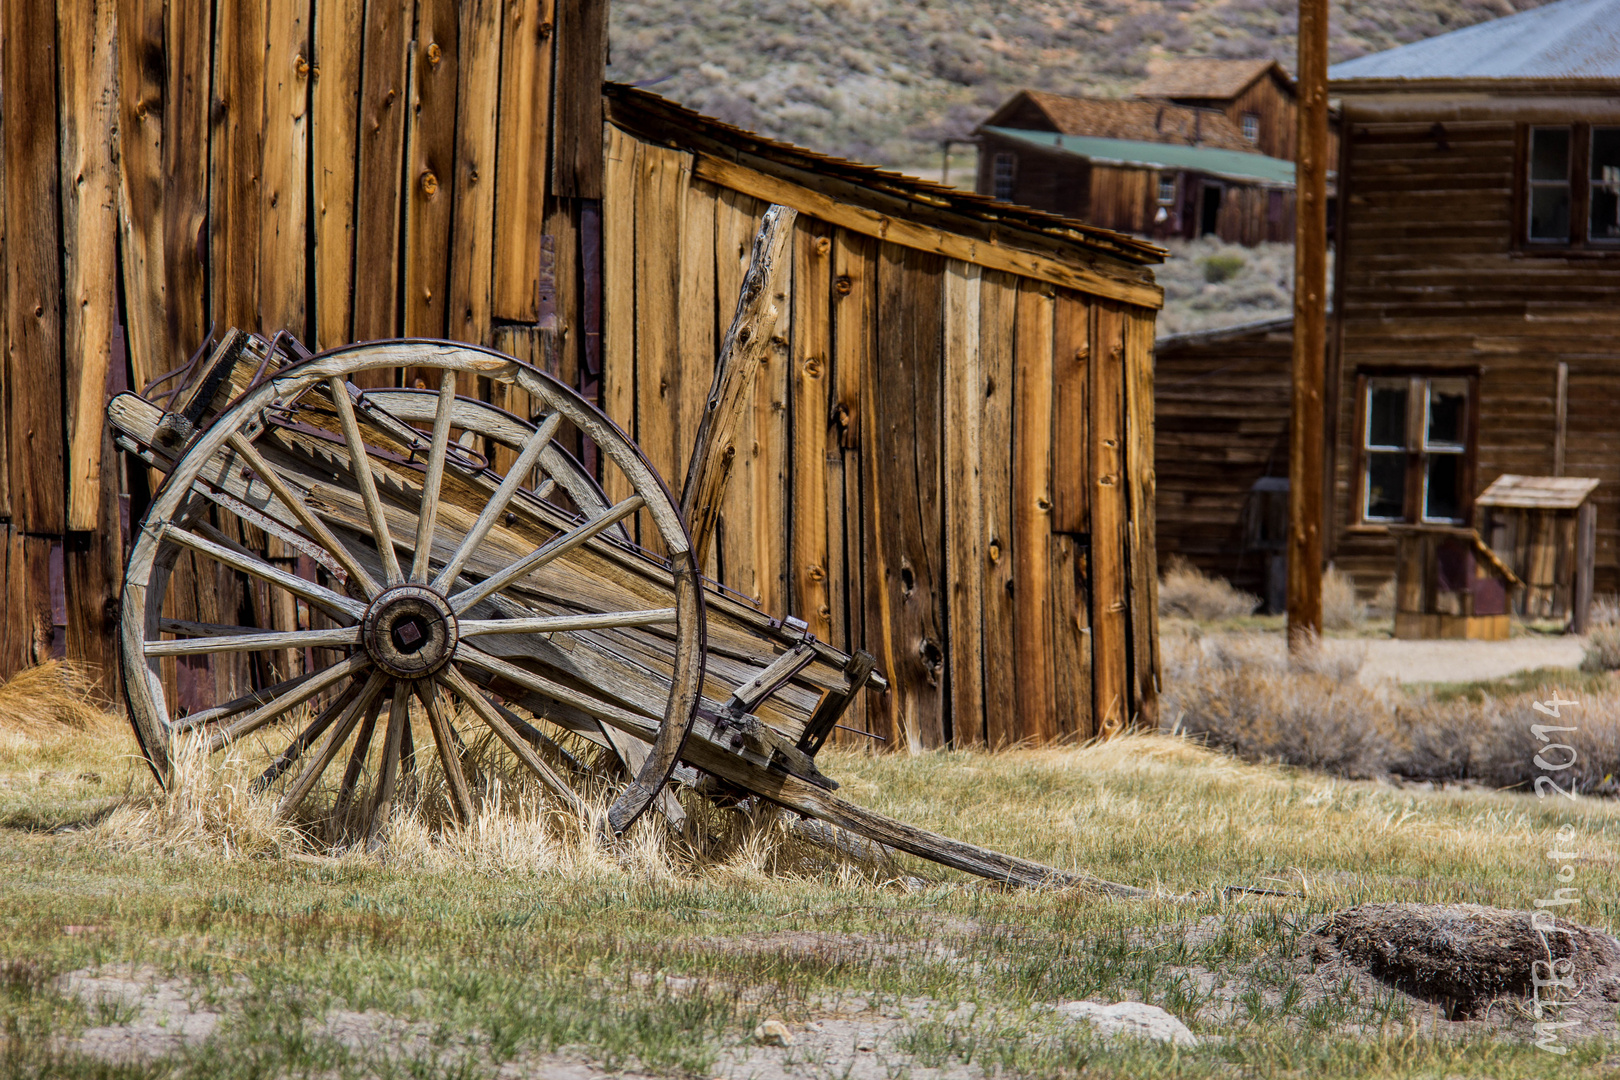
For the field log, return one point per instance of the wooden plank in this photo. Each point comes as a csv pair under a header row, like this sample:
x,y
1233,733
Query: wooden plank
x,y
334,150
429,172
143,177
811,358
964,503
35,438
566,317
623,162
472,234
922,237
903,480
285,168
998,309
661,182
769,507
736,221
1071,354
1141,490
5,303
93,574
1110,627
236,144
521,161
576,170
384,102
1032,512
182,266
698,311
29,622
854,347
89,234
1071,621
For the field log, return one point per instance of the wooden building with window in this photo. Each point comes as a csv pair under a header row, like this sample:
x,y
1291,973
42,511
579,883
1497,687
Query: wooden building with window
x,y
1477,311
1257,96
1151,168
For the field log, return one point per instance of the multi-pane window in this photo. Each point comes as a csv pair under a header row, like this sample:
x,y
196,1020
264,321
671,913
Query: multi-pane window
x,y
1415,448
1004,174
1572,185
1167,190
1251,126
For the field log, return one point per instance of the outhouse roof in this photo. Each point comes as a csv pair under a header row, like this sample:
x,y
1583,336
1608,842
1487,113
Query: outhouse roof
x,y
1569,39
1226,164
1537,492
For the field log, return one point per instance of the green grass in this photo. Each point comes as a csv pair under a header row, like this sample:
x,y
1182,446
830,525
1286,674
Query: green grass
x,y
665,973
1584,684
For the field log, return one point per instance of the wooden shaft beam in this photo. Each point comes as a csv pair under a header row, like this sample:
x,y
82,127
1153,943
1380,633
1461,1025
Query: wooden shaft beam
x,y
1305,456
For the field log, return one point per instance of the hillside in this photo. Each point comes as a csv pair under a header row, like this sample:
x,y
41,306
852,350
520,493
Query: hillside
x,y
883,81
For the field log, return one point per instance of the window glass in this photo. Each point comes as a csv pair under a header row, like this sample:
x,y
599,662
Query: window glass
x,y
1386,486
1549,154
1549,184
1006,166
1167,189
1251,126
1605,197
1442,488
1448,404
1386,414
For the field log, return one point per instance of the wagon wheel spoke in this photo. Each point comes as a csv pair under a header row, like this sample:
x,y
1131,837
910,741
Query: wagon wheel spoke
x,y
357,762
336,637
554,548
240,704
444,738
282,703
295,749
458,684
360,465
433,479
334,740
552,624
306,517
382,803
339,606
498,502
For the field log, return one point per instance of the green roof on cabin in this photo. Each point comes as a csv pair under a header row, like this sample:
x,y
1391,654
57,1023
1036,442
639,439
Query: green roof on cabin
x,y
1227,164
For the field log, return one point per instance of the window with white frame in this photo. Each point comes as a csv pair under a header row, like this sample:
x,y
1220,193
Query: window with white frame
x,y
1251,126
1167,189
1004,174
1415,453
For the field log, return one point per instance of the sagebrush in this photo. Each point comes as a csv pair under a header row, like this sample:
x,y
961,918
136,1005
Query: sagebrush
x,y
1187,592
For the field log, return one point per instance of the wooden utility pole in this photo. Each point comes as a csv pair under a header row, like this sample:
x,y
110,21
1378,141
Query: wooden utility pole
x,y
1310,331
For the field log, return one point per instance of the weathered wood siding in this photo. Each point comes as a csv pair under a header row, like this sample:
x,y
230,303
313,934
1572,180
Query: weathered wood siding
x,y
1430,281
950,465
338,169
1222,401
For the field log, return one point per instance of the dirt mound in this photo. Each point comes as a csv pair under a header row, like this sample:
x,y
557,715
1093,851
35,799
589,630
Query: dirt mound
x,y
1464,955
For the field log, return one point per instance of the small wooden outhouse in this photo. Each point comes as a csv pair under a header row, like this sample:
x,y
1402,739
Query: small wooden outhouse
x,y
1545,528
1449,584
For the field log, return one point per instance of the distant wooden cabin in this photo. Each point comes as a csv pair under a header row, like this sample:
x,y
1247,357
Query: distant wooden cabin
x,y
1257,96
1478,277
1154,169
1222,401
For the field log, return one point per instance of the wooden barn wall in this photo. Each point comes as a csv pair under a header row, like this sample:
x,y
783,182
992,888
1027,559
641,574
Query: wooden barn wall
x,y
338,169
947,465
1431,281
1221,423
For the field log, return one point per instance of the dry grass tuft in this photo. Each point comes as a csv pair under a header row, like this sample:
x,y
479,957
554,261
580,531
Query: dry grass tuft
x,y
1602,649
211,810
1189,593
48,698
1244,695
1341,608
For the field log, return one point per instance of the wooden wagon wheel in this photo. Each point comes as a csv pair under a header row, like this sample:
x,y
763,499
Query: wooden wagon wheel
x,y
431,561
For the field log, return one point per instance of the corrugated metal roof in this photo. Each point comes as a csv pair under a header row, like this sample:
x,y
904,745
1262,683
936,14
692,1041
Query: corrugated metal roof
x,y
1227,164
1570,39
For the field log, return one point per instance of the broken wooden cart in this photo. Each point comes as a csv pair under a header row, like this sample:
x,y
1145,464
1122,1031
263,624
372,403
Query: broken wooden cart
x,y
432,588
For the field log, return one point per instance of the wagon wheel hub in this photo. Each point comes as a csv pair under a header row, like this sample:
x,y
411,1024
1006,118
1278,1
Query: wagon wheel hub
x,y
409,631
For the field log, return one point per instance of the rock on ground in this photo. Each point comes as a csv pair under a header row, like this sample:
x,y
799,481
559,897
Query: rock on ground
x,y
1130,1018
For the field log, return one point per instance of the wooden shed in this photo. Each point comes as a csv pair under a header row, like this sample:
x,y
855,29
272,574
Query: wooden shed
x,y
1545,528
1475,331
952,459
952,454
1450,584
